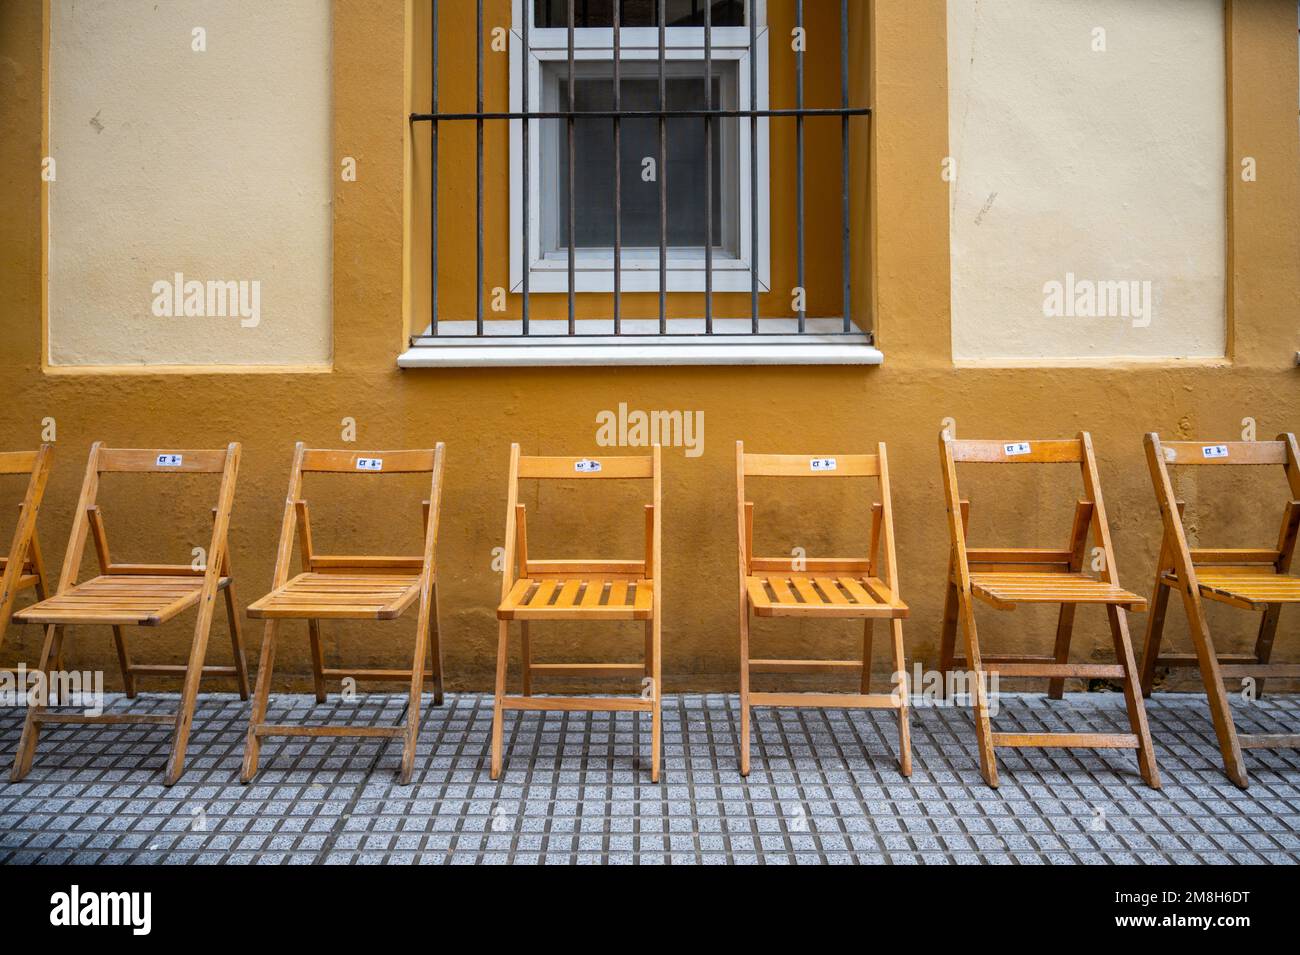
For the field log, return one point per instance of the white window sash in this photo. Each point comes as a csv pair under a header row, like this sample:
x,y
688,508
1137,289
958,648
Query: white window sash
x,y
594,268
558,37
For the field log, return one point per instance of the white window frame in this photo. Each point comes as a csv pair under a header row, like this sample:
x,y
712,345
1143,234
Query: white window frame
x,y
593,270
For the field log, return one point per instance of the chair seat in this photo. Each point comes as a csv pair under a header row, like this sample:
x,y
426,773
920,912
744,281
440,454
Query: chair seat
x,y
572,598
312,596
119,600
1252,590
800,595
1005,590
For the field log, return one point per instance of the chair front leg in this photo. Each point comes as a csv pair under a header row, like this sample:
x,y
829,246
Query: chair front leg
x,y
1220,710
978,692
51,649
261,694
413,702
1137,714
904,701
498,710
190,690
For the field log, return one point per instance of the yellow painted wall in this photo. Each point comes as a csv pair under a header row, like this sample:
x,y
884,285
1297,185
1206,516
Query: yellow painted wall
x,y
479,412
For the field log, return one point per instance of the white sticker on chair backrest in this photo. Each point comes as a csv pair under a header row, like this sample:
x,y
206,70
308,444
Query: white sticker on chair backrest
x,y
370,464
1214,451
586,466
1171,454
823,464
169,460
1019,447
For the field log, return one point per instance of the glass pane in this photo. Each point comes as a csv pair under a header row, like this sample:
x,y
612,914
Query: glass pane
x,y
593,143
637,13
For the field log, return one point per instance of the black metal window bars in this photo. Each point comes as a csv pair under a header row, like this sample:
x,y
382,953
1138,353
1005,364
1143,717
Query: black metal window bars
x,y
709,114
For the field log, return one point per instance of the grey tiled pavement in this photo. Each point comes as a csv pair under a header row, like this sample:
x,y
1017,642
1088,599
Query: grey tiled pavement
x,y
824,788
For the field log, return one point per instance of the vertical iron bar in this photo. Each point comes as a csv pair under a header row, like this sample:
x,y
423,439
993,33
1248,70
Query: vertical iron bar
x,y
433,185
799,163
528,164
708,167
478,195
663,173
844,162
753,167
618,175
573,218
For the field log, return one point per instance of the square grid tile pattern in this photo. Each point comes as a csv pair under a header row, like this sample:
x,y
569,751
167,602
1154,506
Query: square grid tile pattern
x,y
824,789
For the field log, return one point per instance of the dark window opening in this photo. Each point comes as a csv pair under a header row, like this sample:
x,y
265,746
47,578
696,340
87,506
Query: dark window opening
x,y
637,13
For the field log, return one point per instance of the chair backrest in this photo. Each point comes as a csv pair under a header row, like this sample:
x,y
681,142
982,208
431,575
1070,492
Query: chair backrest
x,y
1163,454
645,467
87,519
1090,510
370,464
22,555
819,467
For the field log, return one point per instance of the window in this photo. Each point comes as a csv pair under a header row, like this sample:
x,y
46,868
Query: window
x,y
615,209
623,151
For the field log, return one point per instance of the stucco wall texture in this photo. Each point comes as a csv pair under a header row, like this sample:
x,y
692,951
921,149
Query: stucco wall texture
x,y
190,138
1089,143
814,410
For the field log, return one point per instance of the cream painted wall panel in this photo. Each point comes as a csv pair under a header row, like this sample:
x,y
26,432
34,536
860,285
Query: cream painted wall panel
x,y
1108,166
213,164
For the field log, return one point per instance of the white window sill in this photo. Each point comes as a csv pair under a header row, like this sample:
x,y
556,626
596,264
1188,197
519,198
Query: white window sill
x,y
502,346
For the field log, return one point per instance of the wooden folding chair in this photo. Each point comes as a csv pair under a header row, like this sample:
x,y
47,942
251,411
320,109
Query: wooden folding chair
x,y
1257,579
23,568
1008,576
595,589
338,587
825,588
140,595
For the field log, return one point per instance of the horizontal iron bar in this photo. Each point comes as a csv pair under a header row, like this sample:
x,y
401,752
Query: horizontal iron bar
x,y
645,113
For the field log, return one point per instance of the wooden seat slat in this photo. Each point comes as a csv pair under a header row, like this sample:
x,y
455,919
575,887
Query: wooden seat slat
x,y
847,597
311,596
576,598
1008,589
119,601
594,591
